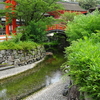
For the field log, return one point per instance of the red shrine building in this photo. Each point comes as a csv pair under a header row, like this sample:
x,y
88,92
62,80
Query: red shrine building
x,y
11,27
68,7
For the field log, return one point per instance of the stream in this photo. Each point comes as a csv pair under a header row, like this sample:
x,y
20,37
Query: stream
x,y
22,85
53,78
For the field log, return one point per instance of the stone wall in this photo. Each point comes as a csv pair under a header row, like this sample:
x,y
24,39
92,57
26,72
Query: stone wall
x,y
21,57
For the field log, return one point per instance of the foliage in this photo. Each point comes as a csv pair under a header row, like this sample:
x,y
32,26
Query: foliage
x,y
83,25
35,31
30,10
87,4
56,42
68,0
84,53
83,58
26,45
6,11
68,16
16,38
31,13
95,37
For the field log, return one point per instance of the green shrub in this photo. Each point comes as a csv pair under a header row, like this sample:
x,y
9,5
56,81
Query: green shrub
x,y
95,37
26,45
16,38
84,61
35,31
68,16
83,25
8,45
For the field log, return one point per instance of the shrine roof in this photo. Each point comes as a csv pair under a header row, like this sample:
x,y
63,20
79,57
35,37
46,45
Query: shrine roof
x,y
72,6
67,5
94,8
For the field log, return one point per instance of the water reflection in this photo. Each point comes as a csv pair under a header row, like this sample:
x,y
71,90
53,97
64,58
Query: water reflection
x,y
53,78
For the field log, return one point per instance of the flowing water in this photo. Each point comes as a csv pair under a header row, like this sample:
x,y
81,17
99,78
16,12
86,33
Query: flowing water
x,y
45,73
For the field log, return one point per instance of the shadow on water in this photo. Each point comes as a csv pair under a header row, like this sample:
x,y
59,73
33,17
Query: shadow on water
x,y
45,73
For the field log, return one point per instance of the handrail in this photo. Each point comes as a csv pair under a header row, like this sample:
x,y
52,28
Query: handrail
x,y
56,27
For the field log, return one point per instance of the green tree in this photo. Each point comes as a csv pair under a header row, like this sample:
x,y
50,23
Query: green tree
x,y
30,10
87,4
4,11
32,13
35,31
68,16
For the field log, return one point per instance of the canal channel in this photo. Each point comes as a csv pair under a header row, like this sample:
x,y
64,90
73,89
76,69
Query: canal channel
x,y
43,74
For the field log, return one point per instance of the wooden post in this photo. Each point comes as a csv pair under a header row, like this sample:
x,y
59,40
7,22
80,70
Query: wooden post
x,y
7,19
13,25
14,19
7,26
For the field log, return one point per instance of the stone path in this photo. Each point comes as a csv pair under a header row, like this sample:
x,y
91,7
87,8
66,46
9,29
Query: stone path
x,y
16,70
52,92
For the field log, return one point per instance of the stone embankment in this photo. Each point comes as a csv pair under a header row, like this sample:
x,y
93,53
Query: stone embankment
x,y
21,57
13,62
13,70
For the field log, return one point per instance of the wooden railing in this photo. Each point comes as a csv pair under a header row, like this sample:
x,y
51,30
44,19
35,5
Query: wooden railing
x,y
4,37
62,27
56,27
